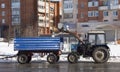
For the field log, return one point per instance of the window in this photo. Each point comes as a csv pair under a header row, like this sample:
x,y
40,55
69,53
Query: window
x,y
68,15
100,39
65,6
41,7
105,20
40,21
77,15
15,19
85,25
106,3
68,5
115,19
15,5
15,11
93,13
3,5
3,21
96,13
15,1
115,2
93,4
105,13
82,15
92,39
115,13
82,5
3,13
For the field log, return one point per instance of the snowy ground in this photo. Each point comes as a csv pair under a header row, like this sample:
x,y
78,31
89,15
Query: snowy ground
x,y
8,50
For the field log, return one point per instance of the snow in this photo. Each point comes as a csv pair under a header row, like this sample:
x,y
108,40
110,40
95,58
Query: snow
x,y
7,49
114,49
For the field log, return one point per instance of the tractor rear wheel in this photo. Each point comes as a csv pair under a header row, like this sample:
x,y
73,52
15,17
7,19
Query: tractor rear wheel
x,y
100,55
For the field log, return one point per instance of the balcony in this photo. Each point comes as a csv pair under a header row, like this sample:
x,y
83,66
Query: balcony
x,y
111,7
43,24
41,10
68,10
103,7
115,7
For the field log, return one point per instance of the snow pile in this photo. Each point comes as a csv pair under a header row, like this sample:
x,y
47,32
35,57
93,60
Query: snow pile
x,y
114,49
7,49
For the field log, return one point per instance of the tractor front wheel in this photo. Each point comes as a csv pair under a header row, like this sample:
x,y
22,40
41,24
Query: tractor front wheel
x,y
52,58
72,58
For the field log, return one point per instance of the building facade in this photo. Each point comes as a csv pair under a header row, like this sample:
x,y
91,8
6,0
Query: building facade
x,y
69,13
5,17
28,16
23,17
94,15
48,16
18,18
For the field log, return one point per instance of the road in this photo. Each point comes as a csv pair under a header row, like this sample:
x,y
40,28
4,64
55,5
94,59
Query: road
x,y
59,67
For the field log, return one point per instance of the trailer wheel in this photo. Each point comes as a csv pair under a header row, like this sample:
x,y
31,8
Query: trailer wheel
x,y
52,58
23,58
72,58
100,55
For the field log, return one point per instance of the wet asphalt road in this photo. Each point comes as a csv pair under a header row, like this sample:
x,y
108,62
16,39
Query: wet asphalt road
x,y
59,67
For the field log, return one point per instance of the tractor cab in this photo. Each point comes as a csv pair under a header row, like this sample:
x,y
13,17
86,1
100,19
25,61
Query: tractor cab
x,y
96,37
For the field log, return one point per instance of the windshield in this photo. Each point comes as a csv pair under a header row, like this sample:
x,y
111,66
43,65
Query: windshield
x,y
100,39
92,39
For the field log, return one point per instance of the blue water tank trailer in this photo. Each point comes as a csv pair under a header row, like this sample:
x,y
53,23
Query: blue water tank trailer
x,y
43,45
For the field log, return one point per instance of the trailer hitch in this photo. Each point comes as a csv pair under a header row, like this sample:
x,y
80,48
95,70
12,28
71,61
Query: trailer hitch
x,y
8,56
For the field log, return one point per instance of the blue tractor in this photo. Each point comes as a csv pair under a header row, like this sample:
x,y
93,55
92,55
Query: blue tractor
x,y
94,46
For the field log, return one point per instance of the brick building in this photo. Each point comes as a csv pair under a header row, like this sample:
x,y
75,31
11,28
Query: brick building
x,y
5,17
20,18
28,14
48,16
85,15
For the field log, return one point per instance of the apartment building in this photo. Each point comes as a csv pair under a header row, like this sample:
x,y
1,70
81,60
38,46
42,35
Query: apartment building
x,y
5,16
93,15
69,13
18,18
28,18
24,17
48,16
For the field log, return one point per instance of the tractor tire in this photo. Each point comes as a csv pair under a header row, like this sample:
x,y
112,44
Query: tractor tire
x,y
72,58
100,55
52,58
23,59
